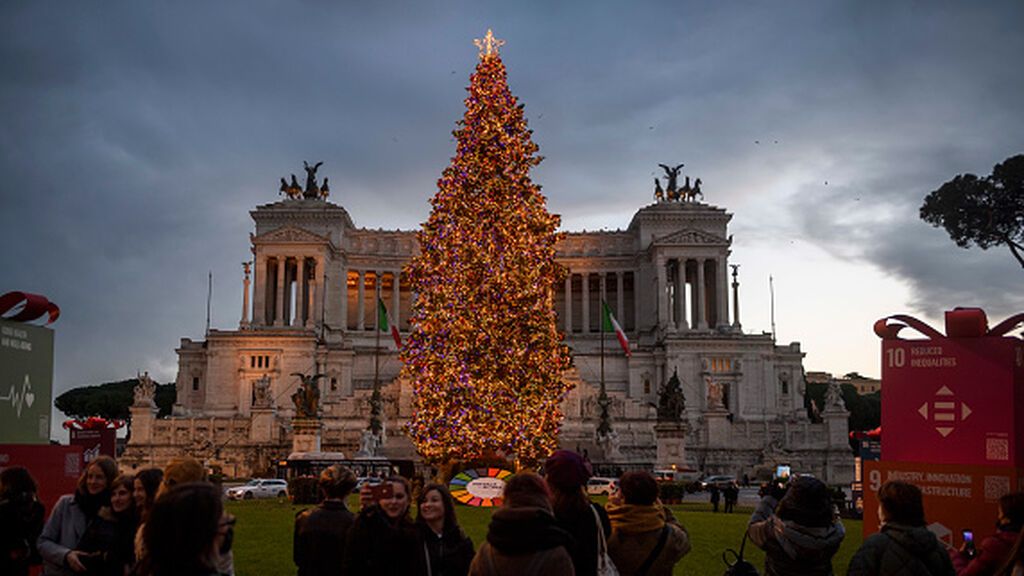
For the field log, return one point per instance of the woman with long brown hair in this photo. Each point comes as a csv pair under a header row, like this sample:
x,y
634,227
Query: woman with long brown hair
x,y
72,514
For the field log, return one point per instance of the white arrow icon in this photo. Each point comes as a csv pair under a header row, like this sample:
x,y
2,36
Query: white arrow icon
x,y
943,411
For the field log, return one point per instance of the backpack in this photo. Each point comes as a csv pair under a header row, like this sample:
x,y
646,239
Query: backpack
x,y
738,566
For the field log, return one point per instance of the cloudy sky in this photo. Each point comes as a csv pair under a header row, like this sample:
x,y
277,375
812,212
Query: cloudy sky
x,y
136,136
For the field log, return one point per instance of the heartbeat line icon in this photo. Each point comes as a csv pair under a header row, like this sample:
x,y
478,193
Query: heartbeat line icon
x,y
20,400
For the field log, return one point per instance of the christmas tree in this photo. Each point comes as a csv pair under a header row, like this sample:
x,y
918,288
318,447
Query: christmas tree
x,y
484,355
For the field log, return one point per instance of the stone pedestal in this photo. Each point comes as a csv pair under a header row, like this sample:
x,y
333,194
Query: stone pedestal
x,y
306,434
261,426
670,438
718,426
837,427
142,423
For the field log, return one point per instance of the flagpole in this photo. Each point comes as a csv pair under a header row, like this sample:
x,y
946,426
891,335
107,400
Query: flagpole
x,y
604,426
375,399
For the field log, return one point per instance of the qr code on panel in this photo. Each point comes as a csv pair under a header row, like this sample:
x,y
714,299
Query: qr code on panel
x,y
996,486
71,465
997,448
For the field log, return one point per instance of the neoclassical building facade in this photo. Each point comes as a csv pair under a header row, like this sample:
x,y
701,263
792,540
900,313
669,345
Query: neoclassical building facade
x,y
309,305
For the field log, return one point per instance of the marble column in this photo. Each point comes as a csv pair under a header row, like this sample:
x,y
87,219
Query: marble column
x,y
568,303
662,287
246,281
620,300
603,291
722,291
395,298
300,293
680,307
344,297
585,296
259,293
279,277
702,306
360,298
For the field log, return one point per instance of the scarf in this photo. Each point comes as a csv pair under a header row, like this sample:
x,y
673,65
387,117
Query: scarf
x,y
635,518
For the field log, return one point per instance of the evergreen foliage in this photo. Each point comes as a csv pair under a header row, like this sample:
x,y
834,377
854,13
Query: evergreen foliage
x,y
484,354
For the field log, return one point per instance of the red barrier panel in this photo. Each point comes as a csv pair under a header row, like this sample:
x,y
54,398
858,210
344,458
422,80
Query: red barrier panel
x,y
55,468
956,497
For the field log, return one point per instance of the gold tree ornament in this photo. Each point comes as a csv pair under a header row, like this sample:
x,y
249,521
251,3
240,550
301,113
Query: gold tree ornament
x,y
489,45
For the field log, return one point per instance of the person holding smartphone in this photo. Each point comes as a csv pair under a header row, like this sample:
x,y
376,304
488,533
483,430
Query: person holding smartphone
x,y
985,559
382,540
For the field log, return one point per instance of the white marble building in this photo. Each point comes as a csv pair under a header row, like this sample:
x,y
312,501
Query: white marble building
x,y
309,306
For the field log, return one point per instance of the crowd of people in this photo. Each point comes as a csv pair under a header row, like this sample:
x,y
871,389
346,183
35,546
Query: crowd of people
x,y
173,522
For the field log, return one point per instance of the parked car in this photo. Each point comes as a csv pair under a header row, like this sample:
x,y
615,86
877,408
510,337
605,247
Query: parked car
x,y
598,486
676,475
719,482
259,488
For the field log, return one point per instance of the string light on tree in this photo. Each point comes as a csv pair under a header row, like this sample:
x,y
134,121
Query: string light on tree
x,y
484,354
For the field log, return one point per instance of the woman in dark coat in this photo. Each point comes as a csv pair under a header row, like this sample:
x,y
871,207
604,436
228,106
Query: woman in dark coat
x,y
799,532
523,537
21,521
566,475
321,534
182,534
111,534
445,548
382,541
903,545
994,550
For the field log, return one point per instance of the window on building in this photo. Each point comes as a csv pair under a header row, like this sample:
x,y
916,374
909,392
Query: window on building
x,y
334,384
195,382
647,385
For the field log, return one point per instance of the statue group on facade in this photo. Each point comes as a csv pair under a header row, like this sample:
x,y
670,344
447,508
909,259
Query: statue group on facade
x,y
671,402
307,397
261,393
313,191
145,391
672,192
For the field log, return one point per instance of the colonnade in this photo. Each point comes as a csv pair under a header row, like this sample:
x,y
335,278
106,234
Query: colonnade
x,y
584,301
706,281
289,290
376,278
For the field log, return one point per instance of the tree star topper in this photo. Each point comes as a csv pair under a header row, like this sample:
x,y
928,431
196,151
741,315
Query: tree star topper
x,y
489,45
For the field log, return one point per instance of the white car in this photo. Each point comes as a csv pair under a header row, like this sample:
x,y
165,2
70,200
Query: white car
x,y
598,486
259,488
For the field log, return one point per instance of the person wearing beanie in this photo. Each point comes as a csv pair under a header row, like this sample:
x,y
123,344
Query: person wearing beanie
x,y
71,515
320,534
566,474
799,531
646,539
903,546
523,537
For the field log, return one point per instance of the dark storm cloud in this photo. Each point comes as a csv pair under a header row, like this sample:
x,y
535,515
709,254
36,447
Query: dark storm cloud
x,y
135,137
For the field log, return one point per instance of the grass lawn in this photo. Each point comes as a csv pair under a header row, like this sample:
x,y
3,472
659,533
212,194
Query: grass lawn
x,y
263,536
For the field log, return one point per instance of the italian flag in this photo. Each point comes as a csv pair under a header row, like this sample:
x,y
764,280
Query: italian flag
x,y
609,324
384,320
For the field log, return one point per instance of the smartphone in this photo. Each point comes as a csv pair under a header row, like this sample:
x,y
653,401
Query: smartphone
x,y
782,472
968,536
382,491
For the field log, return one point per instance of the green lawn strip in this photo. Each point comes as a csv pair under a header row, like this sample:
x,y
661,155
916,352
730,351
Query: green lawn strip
x,y
263,536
